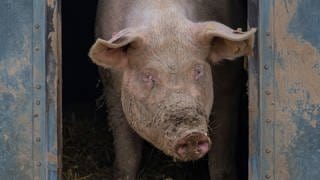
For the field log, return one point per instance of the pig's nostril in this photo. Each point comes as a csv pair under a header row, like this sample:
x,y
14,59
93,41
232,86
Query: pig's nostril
x,y
182,149
193,146
203,146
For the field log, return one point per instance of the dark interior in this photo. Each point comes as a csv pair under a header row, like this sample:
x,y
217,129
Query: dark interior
x,y
80,76
87,140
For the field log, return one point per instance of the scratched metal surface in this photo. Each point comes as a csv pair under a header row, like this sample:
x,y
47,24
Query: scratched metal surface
x,y
16,89
285,133
253,91
28,114
53,76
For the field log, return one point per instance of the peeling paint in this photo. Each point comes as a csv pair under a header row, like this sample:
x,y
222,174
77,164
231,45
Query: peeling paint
x,y
305,22
16,90
52,158
314,123
24,60
51,3
54,58
296,80
5,138
54,33
54,89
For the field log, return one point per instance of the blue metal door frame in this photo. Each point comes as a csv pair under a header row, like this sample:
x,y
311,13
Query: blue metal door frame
x,y
284,83
284,76
30,89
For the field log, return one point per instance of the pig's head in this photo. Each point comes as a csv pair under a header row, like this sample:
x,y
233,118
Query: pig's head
x,y
167,88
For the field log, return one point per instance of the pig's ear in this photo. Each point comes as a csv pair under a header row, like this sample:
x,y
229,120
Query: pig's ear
x,y
227,43
113,53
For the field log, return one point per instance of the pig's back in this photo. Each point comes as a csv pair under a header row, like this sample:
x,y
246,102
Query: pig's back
x,y
114,15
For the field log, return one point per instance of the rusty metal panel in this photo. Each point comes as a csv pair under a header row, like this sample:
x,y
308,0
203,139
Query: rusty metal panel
x,y
287,128
29,90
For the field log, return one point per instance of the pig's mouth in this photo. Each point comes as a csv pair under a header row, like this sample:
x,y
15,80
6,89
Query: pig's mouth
x,y
192,146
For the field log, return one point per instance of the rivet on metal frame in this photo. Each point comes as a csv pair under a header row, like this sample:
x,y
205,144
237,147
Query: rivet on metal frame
x,y
38,139
37,26
38,86
267,176
268,151
268,92
38,163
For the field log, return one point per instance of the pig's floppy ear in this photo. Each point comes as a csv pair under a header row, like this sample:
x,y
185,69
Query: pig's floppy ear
x,y
227,43
112,53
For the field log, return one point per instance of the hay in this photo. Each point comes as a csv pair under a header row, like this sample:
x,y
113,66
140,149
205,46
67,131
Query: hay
x,y
87,145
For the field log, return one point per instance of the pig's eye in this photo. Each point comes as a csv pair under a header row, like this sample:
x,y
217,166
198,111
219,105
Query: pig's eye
x,y
198,71
149,80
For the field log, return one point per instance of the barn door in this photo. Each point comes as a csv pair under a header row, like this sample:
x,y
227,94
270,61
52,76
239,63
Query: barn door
x,y
29,89
285,90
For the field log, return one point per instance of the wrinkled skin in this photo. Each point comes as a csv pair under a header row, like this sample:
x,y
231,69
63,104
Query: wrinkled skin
x,y
160,63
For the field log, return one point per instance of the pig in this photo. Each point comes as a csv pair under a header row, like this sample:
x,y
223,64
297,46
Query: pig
x,y
165,82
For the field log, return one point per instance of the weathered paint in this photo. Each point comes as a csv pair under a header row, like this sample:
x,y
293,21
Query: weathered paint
x,y
288,128
53,76
253,81
29,82
16,89
298,104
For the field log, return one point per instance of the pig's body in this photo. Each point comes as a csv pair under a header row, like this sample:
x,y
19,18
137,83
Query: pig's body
x,y
169,31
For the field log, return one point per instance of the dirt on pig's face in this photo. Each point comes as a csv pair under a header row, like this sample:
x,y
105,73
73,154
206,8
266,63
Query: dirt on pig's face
x,y
167,94
166,85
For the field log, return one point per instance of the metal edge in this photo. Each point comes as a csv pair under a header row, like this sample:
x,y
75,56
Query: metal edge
x,y
54,89
266,89
39,91
253,94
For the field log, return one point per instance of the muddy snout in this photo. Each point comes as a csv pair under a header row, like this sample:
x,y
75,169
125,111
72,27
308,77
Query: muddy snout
x,y
192,146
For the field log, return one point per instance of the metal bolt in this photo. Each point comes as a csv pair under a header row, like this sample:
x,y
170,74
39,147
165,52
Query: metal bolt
x,y
266,67
268,120
38,139
268,151
37,26
268,92
37,102
267,33
36,115
38,86
38,163
37,49
273,103
267,176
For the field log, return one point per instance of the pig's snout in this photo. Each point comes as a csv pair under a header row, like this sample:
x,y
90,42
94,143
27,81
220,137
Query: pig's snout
x,y
192,146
